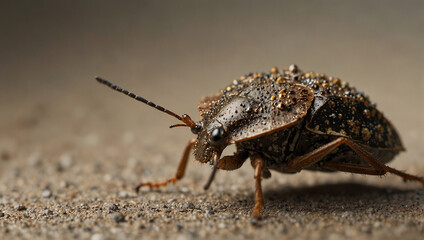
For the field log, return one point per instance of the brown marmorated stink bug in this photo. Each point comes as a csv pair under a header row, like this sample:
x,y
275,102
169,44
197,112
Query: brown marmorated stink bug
x,y
287,121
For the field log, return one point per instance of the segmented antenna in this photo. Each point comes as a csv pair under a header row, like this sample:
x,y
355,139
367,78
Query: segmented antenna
x,y
178,125
141,99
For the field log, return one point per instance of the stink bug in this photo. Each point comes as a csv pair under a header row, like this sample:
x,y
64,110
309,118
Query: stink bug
x,y
287,121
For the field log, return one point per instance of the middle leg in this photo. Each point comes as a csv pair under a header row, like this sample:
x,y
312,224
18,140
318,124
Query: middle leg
x,y
258,164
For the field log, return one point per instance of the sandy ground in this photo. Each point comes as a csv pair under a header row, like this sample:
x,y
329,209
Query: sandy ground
x,y
71,150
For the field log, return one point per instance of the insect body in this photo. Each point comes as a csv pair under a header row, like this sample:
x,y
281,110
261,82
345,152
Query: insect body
x,y
288,121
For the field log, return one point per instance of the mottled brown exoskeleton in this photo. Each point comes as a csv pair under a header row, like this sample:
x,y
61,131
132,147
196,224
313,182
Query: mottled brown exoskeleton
x,y
288,121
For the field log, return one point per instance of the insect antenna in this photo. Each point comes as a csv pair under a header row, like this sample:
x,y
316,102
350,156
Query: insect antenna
x,y
178,125
185,118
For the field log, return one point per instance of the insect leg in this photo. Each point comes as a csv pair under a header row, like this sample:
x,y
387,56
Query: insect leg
x,y
370,170
309,159
376,167
352,168
180,171
380,167
232,162
258,164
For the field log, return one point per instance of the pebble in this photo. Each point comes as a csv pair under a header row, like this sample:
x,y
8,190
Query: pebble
x,y
66,161
146,172
63,184
222,207
46,193
179,227
117,217
113,207
254,221
34,160
97,236
47,212
124,194
5,156
189,205
20,207
367,229
1,214
284,229
83,206
209,210
400,230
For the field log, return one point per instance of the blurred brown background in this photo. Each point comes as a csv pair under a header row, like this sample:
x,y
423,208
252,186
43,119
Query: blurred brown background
x,y
173,53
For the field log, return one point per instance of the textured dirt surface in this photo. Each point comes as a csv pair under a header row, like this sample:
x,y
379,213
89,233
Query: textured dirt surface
x,y
71,150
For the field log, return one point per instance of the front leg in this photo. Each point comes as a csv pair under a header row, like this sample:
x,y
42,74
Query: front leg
x,y
180,172
258,164
232,162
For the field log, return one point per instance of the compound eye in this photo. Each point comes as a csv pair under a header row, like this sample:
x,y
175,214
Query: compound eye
x,y
217,135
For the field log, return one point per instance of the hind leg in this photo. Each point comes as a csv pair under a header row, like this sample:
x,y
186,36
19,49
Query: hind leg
x,y
375,166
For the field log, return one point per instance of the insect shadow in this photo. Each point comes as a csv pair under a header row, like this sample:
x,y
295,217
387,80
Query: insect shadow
x,y
338,197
